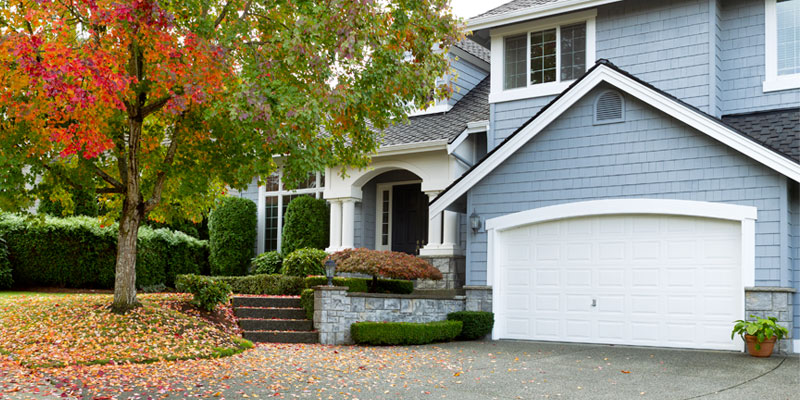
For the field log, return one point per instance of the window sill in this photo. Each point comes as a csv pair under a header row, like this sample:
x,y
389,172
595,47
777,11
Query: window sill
x,y
784,82
540,90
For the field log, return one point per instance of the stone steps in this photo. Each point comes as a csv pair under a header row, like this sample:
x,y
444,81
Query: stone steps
x,y
273,319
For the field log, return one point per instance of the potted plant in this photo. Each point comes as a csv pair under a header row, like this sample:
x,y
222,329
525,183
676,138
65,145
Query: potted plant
x,y
760,334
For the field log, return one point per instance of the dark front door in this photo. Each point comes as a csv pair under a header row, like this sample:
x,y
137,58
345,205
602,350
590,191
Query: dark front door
x,y
409,218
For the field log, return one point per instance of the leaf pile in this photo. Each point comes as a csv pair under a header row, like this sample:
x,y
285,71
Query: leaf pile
x,y
45,331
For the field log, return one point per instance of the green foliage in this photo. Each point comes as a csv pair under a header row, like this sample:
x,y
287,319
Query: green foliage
x,y
208,293
307,301
79,252
267,263
477,324
761,328
197,230
232,227
6,279
304,262
305,224
76,202
388,264
361,285
404,333
264,284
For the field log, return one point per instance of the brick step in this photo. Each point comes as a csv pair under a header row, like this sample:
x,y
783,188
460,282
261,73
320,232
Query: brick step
x,y
269,313
271,302
276,325
281,337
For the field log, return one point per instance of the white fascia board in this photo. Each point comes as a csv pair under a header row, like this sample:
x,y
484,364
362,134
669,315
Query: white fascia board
x,y
434,109
530,13
655,99
412,147
472,127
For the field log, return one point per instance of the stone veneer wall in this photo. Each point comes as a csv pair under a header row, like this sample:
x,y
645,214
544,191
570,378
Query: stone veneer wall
x,y
335,309
454,273
765,301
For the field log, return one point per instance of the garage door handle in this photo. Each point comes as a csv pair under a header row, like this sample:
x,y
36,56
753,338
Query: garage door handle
x,y
594,302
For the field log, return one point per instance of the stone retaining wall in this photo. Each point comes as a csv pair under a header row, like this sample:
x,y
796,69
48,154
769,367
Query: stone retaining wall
x,y
765,301
335,309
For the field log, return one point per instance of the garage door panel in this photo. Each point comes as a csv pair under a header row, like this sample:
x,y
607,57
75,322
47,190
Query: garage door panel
x,y
653,277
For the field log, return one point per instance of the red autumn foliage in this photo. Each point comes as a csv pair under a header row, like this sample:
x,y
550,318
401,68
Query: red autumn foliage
x,y
385,263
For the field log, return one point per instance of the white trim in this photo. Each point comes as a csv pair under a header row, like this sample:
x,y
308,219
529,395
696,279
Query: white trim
x,y
746,215
499,94
472,127
412,147
669,106
434,109
529,13
796,346
379,188
773,81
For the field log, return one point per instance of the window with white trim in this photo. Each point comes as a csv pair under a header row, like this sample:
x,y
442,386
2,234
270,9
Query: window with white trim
x,y
782,24
551,55
277,199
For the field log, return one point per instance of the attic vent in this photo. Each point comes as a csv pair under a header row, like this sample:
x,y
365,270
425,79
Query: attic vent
x,y
609,108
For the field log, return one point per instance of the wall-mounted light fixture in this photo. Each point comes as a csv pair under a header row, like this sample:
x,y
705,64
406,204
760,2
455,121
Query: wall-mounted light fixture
x,y
475,221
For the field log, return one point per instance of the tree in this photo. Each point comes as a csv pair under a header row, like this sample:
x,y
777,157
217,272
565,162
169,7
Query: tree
x,y
385,263
158,105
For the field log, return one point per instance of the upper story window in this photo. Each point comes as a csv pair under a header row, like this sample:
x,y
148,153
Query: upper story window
x,y
541,58
782,45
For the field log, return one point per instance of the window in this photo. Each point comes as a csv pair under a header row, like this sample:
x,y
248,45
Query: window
x,y
541,58
782,23
277,199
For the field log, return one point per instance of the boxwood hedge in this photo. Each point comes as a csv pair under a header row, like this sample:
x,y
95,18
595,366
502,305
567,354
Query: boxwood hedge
x,y
477,324
274,284
404,333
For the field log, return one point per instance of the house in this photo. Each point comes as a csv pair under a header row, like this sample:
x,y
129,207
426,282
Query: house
x,y
616,172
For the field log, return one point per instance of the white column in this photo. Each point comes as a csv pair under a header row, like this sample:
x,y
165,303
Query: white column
x,y
261,218
434,227
348,223
336,226
450,230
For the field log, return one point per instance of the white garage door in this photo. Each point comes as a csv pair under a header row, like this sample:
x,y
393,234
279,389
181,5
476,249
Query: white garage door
x,y
648,280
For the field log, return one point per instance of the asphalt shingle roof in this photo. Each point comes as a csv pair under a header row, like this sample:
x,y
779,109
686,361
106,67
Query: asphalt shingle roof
x,y
778,130
514,6
473,48
425,128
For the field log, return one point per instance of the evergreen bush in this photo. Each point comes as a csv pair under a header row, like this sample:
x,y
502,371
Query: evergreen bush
x,y
307,301
264,284
304,262
404,333
6,279
208,293
232,236
477,324
306,224
267,263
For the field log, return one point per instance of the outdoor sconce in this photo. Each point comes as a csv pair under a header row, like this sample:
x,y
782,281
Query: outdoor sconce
x,y
475,221
330,269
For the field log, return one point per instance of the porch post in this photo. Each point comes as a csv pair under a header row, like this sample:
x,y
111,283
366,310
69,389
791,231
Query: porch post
x,y
336,225
348,223
450,230
434,227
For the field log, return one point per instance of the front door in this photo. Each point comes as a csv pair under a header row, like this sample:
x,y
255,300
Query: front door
x,y
409,218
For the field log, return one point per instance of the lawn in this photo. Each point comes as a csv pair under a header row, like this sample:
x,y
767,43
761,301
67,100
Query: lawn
x,y
53,330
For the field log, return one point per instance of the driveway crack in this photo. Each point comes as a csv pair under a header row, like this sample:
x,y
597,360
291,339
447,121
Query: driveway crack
x,y
738,384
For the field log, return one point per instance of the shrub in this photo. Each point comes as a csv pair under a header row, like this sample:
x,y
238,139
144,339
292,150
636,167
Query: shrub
x,y
307,301
304,262
267,263
477,324
264,284
208,293
78,252
83,202
404,333
232,226
388,264
361,285
5,266
305,224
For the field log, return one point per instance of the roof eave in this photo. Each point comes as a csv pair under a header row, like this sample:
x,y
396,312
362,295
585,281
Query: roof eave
x,y
546,10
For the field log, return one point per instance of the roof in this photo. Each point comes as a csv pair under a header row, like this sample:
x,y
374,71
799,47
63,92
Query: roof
x,y
605,71
778,130
473,48
474,106
514,6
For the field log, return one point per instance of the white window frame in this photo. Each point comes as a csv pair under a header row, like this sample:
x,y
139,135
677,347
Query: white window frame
x,y
379,188
498,94
772,81
317,191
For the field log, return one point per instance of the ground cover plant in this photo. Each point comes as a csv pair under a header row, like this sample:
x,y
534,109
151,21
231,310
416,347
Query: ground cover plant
x,y
55,331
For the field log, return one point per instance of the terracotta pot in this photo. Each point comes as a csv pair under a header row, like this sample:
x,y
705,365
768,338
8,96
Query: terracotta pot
x,y
766,346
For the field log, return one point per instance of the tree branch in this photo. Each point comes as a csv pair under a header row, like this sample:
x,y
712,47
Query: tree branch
x,y
222,14
155,106
108,190
108,178
161,177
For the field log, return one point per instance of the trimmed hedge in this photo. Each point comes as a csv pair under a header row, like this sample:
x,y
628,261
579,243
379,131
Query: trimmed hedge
x,y
267,263
361,285
78,252
6,279
305,224
207,292
404,333
307,301
477,324
232,237
304,262
264,284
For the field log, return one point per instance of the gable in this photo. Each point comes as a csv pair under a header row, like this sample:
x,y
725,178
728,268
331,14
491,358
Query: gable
x,y
606,73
